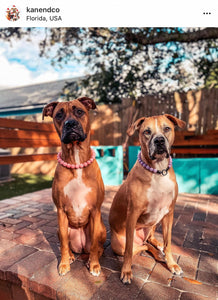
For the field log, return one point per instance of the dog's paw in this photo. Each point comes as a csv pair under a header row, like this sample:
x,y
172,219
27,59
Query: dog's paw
x,y
63,269
95,269
175,269
126,277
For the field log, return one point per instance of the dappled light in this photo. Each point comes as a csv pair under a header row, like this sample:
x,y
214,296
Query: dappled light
x,y
29,229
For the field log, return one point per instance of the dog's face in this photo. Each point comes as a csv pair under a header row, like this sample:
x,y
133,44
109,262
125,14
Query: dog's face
x,y
71,119
156,134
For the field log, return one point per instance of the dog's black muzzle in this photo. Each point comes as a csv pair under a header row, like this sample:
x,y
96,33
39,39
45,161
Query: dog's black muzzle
x,y
72,131
160,147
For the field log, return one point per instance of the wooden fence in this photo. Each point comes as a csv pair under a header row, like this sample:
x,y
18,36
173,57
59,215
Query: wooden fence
x,y
199,109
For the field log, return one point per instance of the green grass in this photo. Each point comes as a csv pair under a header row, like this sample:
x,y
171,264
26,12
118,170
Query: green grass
x,y
24,183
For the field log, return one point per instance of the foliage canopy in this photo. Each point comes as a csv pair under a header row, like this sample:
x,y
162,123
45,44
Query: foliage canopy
x,y
131,62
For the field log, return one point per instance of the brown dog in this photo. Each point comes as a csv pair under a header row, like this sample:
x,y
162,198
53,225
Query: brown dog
x,y
147,196
78,189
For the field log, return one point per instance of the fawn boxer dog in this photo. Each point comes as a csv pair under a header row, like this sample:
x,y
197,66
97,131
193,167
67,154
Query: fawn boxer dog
x,y
78,189
147,196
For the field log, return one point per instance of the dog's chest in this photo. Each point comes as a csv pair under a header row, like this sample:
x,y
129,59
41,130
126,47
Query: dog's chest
x,y
159,196
76,191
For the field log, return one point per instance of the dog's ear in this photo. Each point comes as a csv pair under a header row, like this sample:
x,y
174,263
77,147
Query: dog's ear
x,y
49,109
87,102
135,126
176,121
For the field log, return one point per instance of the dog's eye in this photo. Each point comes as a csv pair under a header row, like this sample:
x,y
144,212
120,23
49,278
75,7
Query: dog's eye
x,y
167,129
79,112
59,115
147,132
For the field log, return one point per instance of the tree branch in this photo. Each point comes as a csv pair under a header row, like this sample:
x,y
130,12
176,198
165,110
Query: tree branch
x,y
164,37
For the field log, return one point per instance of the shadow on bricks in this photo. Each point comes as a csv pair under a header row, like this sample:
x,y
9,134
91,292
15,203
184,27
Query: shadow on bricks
x,y
30,253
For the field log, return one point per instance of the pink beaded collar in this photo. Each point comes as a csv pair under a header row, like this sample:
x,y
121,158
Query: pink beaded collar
x,y
77,166
144,165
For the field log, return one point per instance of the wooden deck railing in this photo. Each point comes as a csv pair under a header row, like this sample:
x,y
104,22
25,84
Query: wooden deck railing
x,y
17,133
23,134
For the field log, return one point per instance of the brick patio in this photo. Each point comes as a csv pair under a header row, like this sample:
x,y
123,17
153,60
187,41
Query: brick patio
x,y
29,255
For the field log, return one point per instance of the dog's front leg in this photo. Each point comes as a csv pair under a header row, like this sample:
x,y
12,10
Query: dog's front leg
x,y
95,222
64,265
167,223
126,272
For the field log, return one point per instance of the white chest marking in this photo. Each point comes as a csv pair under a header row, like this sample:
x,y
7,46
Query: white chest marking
x,y
160,196
76,190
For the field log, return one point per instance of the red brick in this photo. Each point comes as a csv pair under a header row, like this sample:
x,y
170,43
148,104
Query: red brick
x,y
4,215
5,290
207,277
6,244
37,213
8,235
25,268
153,291
28,237
38,224
140,272
30,209
113,288
47,217
20,225
208,263
185,251
35,240
49,229
208,248
186,219
21,293
144,261
3,209
11,201
48,246
12,255
29,219
53,212
4,226
212,218
54,222
161,274
27,231
198,288
210,238
178,238
193,239
190,296
108,252
47,280
54,239
40,297
10,221
189,266
3,204
111,264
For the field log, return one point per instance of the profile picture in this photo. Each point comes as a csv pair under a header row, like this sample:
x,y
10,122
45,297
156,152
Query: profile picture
x,y
12,14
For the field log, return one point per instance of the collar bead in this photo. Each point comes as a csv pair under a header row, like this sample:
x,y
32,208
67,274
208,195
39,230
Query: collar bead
x,y
75,166
147,167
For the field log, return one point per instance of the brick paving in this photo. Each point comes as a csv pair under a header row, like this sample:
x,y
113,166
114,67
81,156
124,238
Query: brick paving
x,y
30,253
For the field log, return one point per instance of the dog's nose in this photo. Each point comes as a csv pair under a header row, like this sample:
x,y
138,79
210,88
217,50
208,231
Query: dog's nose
x,y
159,140
70,123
